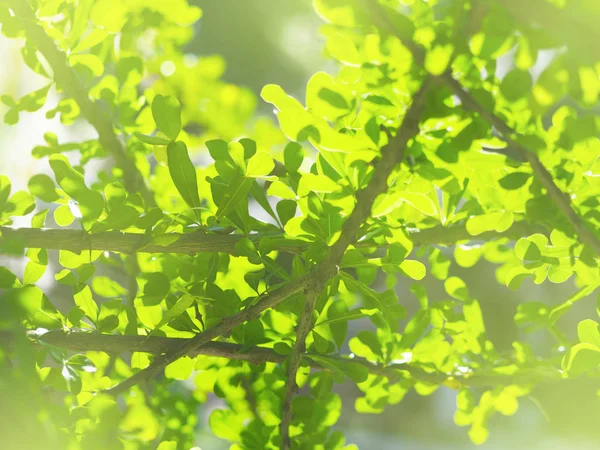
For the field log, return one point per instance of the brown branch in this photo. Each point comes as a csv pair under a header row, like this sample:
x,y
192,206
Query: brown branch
x,y
79,341
304,327
66,78
190,243
509,135
129,243
391,155
222,328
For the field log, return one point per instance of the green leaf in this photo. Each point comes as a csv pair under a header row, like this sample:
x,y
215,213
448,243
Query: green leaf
x,y
42,187
438,58
218,149
258,193
281,348
316,183
119,218
387,303
235,193
355,371
516,84
166,112
514,180
498,221
589,332
260,164
286,210
157,287
180,306
385,204
71,181
350,315
152,140
366,345
109,15
414,269
181,369
293,155
457,288
527,250
20,204
333,98
415,328
83,299
63,216
108,317
225,424
372,130
33,272
281,190
378,100
8,279
580,359
183,174
4,190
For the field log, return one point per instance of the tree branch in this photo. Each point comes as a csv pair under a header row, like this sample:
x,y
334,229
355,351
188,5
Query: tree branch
x,y
509,135
304,327
391,155
223,328
79,341
66,78
561,199
191,243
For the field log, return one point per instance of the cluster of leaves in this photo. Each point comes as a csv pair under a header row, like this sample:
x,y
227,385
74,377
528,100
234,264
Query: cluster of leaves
x,y
273,208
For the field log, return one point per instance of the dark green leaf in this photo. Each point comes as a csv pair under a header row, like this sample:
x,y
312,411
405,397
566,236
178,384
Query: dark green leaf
x,y
514,180
293,155
333,98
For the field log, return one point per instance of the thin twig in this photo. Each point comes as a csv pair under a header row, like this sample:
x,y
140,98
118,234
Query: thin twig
x,y
67,80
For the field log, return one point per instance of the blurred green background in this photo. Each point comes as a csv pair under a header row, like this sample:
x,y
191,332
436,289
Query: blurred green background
x,y
278,41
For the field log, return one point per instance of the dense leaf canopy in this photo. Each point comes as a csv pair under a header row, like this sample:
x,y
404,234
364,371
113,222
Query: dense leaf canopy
x,y
236,258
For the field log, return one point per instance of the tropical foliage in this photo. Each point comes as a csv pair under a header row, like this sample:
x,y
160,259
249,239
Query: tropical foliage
x,y
190,240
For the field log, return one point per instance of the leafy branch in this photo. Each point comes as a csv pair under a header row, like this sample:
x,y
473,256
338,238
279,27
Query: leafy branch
x,y
196,242
510,136
67,80
561,199
79,341
392,155
316,279
303,328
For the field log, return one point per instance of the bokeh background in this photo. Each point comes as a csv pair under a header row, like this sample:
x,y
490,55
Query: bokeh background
x,y
278,41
